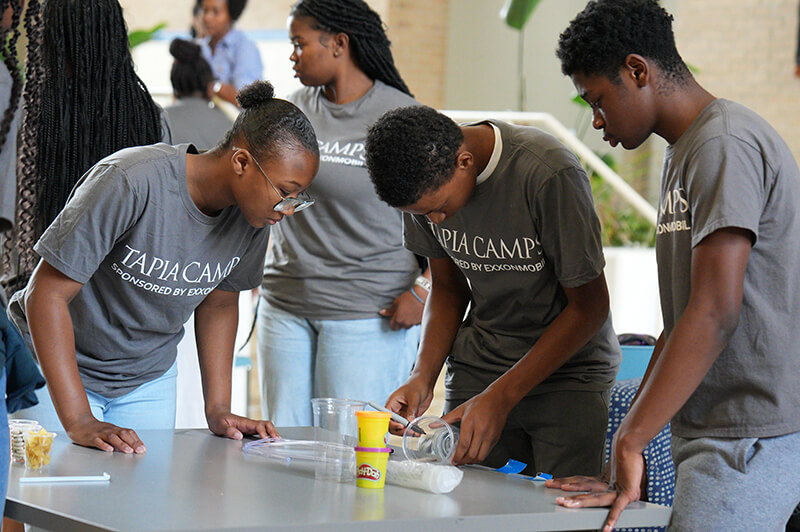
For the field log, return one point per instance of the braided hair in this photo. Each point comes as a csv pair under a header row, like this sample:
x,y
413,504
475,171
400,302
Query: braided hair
x,y
93,103
17,252
191,73
89,104
8,49
363,26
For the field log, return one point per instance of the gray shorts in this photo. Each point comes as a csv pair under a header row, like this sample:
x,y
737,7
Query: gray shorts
x,y
730,484
561,433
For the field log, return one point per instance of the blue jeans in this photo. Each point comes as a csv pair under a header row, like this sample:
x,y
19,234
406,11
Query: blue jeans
x,y
150,406
299,359
5,444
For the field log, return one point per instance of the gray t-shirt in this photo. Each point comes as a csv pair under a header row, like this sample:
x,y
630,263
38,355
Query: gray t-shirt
x,y
732,169
343,258
147,256
529,230
8,157
194,122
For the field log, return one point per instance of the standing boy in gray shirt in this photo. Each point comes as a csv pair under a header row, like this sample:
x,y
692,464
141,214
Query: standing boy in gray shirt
x,y
724,370
505,215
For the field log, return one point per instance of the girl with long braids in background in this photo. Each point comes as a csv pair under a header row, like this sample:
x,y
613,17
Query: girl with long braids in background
x,y
83,101
18,373
339,308
10,91
150,235
193,117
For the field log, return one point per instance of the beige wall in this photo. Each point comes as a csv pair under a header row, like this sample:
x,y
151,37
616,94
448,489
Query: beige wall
x,y
417,29
745,52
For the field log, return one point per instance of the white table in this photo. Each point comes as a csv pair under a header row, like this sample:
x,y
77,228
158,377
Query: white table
x,y
192,480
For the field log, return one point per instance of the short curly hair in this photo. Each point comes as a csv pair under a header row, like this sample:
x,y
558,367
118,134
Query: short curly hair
x,y
600,37
411,151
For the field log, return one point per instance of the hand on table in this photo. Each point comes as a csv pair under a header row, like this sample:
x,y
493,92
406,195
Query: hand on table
x,y
410,400
90,432
629,472
235,427
582,483
405,311
482,420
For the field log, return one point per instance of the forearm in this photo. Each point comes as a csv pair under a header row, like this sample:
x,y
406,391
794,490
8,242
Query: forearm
x,y
703,330
688,354
565,335
54,342
215,331
227,92
444,312
422,287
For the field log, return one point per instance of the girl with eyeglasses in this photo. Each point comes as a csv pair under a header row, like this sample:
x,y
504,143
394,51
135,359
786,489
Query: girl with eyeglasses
x,y
339,308
150,235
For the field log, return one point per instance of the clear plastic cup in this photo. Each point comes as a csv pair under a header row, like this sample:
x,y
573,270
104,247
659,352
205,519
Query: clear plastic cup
x,y
17,429
38,448
336,428
335,419
430,439
335,462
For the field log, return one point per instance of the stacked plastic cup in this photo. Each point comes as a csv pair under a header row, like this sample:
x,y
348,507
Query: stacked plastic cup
x,y
372,454
335,434
17,429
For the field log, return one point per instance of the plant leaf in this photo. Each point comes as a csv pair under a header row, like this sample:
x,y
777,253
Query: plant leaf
x,y
137,37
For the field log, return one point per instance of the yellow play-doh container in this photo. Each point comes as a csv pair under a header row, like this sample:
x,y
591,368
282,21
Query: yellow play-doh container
x,y
371,466
372,428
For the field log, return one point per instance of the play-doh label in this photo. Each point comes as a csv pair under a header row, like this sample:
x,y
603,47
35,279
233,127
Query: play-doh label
x,y
368,472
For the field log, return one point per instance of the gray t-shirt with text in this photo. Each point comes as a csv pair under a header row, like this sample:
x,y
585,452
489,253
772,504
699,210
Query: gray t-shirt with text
x,y
344,257
732,169
529,230
147,257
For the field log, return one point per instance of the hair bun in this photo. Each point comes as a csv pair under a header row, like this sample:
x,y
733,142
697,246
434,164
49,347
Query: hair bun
x,y
255,94
184,51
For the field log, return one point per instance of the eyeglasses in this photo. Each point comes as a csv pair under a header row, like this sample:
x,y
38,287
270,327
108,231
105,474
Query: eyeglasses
x,y
286,204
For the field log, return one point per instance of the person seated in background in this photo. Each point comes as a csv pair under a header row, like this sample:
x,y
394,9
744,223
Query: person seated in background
x,y
506,217
234,59
725,369
193,117
150,235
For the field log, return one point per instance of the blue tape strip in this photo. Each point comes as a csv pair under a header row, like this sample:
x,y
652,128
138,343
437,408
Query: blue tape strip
x,y
541,477
512,467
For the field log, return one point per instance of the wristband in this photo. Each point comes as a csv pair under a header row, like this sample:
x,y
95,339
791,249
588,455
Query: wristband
x,y
423,283
416,296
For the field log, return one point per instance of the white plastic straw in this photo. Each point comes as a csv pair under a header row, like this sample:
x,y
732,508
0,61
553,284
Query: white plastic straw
x,y
105,477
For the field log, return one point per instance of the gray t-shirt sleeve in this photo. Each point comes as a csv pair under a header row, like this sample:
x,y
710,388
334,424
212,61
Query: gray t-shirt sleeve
x,y
248,273
166,130
722,191
419,239
569,227
102,207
